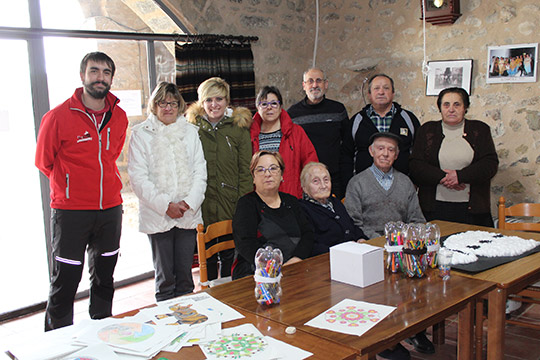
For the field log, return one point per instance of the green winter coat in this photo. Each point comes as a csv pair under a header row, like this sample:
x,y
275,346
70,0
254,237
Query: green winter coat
x,y
227,150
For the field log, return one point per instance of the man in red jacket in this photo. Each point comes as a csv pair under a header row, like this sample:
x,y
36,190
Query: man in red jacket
x,y
77,147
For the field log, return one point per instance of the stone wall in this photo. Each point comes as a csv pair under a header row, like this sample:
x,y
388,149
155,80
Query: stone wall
x,y
359,38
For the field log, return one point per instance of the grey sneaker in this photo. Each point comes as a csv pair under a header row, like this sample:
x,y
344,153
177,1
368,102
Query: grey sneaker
x,y
512,305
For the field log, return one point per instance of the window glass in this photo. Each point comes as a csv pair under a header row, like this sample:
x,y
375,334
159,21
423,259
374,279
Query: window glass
x,y
22,239
65,14
165,61
14,13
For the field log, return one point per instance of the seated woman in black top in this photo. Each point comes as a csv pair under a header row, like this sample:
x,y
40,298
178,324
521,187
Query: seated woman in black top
x,y
331,223
268,217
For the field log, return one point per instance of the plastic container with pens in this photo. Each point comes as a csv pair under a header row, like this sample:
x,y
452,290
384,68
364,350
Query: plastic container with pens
x,y
267,276
395,234
433,236
414,250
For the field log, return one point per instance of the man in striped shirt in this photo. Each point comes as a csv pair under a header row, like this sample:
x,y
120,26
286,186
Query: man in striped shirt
x,y
381,115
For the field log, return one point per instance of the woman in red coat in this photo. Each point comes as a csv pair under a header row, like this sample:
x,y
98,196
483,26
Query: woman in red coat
x,y
273,130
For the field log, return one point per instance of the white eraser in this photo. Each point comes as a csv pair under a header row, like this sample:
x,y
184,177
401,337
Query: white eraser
x,y
290,330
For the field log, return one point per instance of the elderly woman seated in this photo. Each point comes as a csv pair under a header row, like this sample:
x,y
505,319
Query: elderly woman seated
x,y
329,218
267,216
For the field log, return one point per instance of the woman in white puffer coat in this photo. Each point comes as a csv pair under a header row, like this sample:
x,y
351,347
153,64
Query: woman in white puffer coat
x,y
167,171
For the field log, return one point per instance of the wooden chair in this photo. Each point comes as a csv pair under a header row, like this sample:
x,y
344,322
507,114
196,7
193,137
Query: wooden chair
x,y
203,237
530,294
523,209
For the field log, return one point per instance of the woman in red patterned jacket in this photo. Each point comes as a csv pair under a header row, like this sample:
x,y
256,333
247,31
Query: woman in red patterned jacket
x,y
273,130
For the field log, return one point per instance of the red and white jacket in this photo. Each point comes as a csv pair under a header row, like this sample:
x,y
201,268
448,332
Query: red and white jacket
x,y
295,148
78,158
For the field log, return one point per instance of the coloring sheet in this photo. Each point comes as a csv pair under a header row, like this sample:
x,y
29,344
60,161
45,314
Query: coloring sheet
x,y
94,352
289,352
49,345
241,342
205,303
182,314
131,335
351,317
208,333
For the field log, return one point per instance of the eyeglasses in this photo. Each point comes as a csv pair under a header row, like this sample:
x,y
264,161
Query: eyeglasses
x,y
163,104
272,169
266,104
313,81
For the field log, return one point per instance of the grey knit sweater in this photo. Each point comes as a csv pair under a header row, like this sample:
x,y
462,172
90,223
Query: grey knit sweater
x,y
371,207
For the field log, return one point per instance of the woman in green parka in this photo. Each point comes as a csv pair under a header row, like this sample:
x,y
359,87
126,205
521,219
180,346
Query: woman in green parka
x,y
224,133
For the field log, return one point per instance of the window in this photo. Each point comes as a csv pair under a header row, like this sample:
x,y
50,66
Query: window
x,y
23,242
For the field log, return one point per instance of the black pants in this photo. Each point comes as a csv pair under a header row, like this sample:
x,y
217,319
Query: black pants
x,y
172,252
225,257
458,212
73,233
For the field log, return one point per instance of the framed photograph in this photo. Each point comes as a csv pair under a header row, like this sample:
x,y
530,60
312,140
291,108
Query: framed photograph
x,y
512,63
448,73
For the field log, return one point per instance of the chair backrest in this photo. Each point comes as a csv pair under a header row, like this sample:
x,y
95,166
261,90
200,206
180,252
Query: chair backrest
x,y
212,231
523,209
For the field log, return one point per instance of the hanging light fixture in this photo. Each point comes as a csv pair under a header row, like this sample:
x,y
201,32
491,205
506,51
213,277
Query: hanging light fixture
x,y
441,12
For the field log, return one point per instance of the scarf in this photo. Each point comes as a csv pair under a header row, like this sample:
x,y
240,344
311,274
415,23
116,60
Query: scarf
x,y
170,165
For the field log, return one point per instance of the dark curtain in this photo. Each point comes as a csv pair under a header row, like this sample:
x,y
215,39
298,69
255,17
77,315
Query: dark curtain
x,y
207,57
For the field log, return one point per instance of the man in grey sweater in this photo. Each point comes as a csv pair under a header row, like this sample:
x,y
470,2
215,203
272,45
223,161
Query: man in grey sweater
x,y
381,194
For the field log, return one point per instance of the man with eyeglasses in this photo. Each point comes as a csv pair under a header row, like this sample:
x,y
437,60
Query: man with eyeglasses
x,y
322,119
381,115
77,147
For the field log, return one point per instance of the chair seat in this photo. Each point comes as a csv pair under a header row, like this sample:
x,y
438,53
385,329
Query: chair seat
x,y
530,294
213,231
216,282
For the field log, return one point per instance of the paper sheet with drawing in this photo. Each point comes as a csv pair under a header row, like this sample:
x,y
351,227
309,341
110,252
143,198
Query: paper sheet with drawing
x,y
351,317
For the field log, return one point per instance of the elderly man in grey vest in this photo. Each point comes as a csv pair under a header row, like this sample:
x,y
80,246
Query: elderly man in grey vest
x,y
380,194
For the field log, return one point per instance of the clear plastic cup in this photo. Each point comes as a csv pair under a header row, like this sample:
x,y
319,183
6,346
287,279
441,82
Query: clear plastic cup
x,y
445,263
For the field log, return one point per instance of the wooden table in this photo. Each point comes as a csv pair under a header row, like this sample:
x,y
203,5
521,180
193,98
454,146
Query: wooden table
x,y
321,349
510,278
308,291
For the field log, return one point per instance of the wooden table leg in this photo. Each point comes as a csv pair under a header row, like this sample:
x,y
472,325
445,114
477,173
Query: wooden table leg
x,y
438,333
465,332
479,329
496,322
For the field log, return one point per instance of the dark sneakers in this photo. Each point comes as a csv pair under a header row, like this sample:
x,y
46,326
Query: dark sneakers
x,y
421,343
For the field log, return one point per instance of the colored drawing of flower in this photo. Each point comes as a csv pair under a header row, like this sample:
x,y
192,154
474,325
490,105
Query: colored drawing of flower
x,y
236,346
352,316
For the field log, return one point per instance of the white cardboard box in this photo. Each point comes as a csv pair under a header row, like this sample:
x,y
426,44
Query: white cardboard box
x,y
356,264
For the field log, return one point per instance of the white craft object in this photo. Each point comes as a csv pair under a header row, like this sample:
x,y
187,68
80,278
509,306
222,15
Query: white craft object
x,y
469,245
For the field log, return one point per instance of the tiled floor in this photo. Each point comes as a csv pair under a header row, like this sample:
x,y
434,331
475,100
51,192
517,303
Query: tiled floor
x,y
521,343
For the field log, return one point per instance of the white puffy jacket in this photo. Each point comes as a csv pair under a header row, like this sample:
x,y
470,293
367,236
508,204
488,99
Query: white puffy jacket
x,y
166,164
